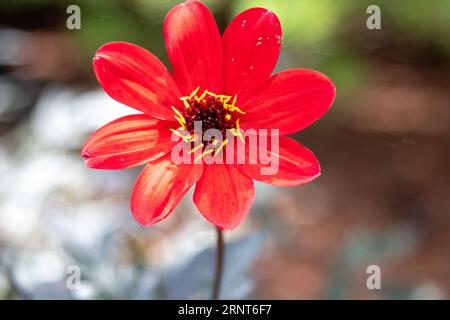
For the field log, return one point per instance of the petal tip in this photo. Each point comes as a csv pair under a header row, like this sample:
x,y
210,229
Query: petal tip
x,y
85,154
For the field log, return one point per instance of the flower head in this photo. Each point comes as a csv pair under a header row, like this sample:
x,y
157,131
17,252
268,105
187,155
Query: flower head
x,y
223,84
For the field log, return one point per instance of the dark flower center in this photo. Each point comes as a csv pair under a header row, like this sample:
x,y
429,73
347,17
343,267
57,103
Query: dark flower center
x,y
213,111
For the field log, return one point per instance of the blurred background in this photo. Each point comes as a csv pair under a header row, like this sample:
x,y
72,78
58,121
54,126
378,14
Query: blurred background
x,y
383,197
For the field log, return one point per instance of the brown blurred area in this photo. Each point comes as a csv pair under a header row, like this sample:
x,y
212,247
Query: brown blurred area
x,y
385,166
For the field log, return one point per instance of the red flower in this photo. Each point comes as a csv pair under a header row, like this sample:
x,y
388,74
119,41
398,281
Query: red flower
x,y
223,82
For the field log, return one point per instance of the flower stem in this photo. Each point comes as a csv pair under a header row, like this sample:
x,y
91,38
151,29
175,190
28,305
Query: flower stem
x,y
220,252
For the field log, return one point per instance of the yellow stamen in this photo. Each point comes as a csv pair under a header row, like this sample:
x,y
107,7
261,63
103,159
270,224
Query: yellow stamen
x,y
238,133
203,154
234,108
177,133
189,97
203,95
225,99
195,138
221,147
196,148
186,138
178,113
212,94
194,92
180,121
227,117
186,104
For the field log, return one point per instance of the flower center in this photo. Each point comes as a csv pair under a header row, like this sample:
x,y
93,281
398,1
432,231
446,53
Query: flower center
x,y
213,111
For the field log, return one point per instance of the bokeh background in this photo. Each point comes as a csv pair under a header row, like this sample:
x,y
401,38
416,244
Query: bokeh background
x,y
383,197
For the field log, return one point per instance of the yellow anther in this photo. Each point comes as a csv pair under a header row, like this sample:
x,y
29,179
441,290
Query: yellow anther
x,y
237,124
186,138
215,142
234,100
227,117
234,108
180,116
177,133
221,147
180,121
194,92
186,104
238,133
193,138
196,148
226,99
203,95
212,94
189,97
204,154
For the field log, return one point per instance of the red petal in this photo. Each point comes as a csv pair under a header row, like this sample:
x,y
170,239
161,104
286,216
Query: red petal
x,y
223,195
296,164
194,47
290,101
160,187
251,46
133,76
128,141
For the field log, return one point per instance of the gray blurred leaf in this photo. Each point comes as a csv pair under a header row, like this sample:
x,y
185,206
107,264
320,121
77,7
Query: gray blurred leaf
x,y
194,279
56,290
